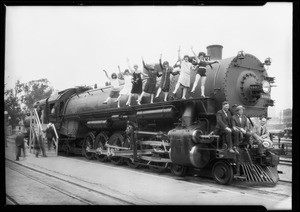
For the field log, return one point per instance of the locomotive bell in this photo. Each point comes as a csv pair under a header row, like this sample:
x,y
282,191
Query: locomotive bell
x,y
241,54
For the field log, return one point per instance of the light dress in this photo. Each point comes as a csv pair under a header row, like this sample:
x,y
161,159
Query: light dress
x,y
185,74
126,90
114,93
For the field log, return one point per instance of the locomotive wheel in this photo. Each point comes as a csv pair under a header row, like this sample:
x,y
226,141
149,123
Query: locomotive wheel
x,y
178,170
116,140
88,143
222,172
100,142
132,164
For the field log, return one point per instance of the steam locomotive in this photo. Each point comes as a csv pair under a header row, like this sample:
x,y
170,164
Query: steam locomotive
x,y
177,134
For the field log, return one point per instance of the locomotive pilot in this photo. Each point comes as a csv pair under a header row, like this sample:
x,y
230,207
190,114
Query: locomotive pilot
x,y
241,127
223,126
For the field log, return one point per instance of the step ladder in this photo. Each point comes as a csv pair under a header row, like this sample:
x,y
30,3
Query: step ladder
x,y
40,129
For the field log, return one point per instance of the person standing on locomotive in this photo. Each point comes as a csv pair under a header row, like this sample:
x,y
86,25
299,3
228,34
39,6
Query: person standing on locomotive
x,y
150,83
241,127
184,78
126,90
165,79
114,81
201,71
223,126
137,83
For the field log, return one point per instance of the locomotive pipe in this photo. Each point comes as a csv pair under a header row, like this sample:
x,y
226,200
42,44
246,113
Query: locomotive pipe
x,y
163,113
188,115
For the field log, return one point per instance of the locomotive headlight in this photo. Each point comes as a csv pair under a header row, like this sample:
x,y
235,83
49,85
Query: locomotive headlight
x,y
266,87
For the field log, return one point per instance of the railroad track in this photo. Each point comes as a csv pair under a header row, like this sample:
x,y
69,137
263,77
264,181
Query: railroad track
x,y
285,162
18,168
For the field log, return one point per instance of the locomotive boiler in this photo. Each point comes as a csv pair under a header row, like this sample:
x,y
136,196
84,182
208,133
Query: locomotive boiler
x,y
177,134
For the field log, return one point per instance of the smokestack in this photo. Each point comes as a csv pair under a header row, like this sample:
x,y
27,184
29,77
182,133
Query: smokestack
x,y
215,52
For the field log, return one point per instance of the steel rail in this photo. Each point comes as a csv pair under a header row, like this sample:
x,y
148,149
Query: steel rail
x,y
67,181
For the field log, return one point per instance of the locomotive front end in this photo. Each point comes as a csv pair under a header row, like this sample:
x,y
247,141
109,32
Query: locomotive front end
x,y
241,80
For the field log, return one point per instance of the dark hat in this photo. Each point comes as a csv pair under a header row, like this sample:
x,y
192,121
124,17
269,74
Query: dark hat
x,y
201,53
165,63
240,107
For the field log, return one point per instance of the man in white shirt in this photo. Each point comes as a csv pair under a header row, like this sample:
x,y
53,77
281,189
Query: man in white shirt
x,y
261,135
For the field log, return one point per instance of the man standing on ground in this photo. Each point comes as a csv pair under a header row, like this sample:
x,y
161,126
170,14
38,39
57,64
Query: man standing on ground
x,y
50,134
19,145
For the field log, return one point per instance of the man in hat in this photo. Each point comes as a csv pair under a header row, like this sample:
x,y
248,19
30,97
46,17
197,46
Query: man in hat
x,y
241,128
223,126
50,134
20,145
261,135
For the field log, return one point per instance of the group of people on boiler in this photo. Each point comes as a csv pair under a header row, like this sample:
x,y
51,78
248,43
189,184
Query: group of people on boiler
x,y
134,83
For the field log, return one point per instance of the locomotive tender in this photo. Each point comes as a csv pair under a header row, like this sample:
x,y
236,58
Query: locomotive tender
x,y
177,134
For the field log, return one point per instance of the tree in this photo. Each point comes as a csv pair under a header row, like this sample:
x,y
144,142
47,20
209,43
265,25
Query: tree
x,y
33,91
26,93
12,106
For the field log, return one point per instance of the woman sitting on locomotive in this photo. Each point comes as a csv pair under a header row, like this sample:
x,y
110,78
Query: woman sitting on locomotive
x,y
150,83
114,81
126,90
185,74
137,82
165,79
201,71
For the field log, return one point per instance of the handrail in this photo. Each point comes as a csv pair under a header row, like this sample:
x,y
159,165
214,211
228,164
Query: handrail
x,y
37,119
53,126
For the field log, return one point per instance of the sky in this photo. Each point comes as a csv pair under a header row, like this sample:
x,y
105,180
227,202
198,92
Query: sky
x,y
71,45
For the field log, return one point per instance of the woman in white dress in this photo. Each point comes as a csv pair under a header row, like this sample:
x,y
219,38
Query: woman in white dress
x,y
126,90
185,74
114,81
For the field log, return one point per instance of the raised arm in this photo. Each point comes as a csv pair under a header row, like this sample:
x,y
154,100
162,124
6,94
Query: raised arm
x,y
160,62
144,65
131,69
120,75
106,74
197,59
179,58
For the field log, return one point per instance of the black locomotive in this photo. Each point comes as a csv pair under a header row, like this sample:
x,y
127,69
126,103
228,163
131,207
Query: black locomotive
x,y
177,134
